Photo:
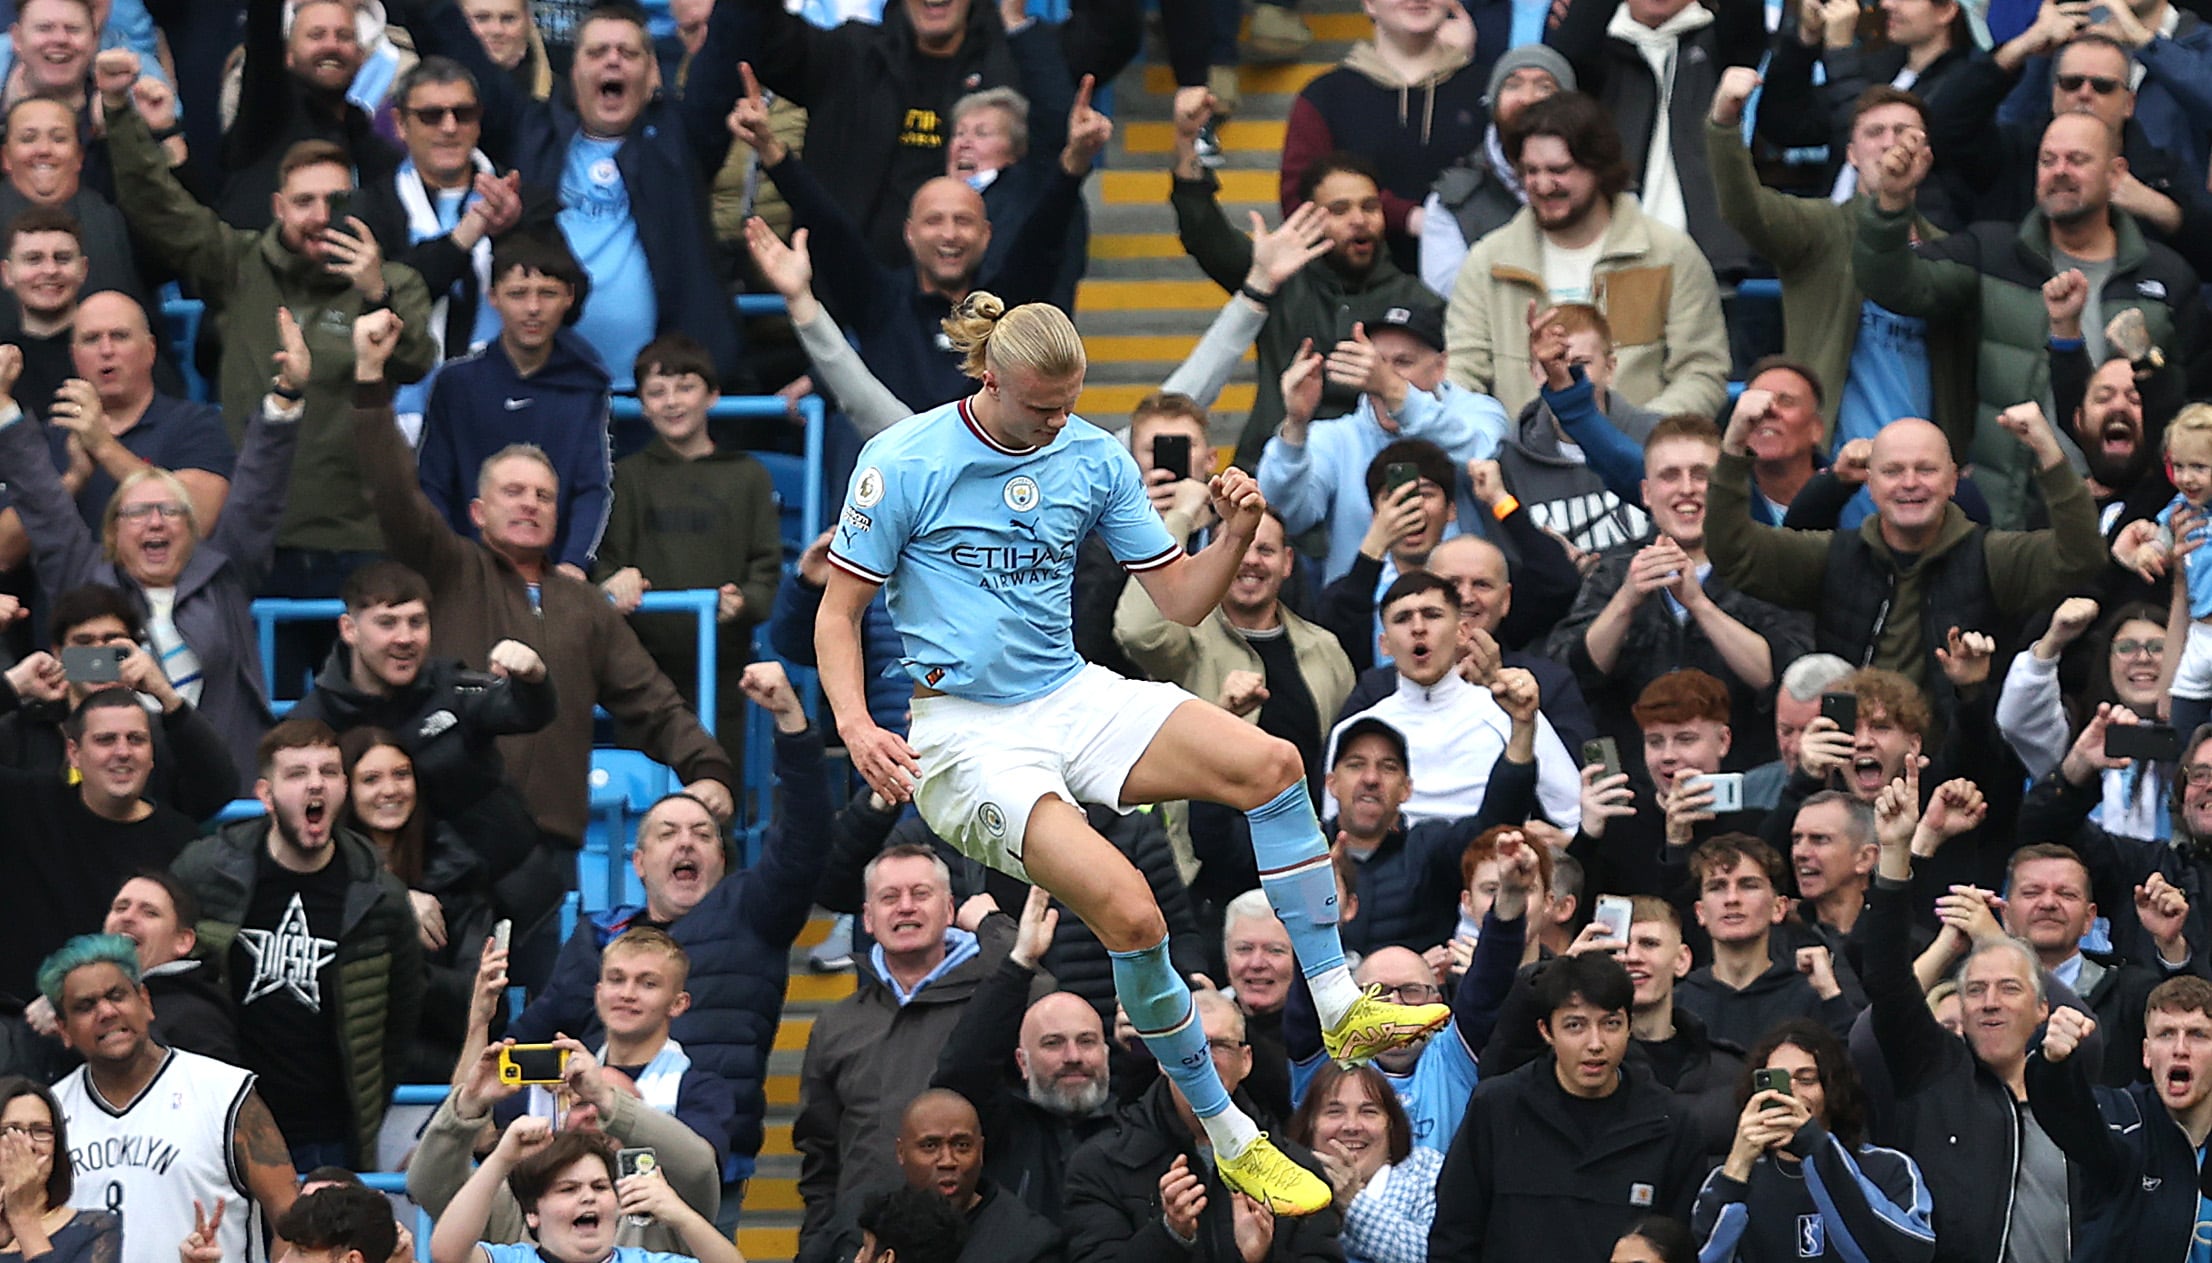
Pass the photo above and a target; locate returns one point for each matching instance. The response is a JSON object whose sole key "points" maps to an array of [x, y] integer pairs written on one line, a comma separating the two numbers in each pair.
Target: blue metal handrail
{"points": [[701, 603], [734, 407]]}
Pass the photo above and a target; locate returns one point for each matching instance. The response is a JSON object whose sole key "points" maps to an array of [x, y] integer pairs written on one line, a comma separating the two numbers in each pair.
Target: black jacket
{"points": [[2138, 1182], [2115, 989], [1701, 1072], [1952, 1113], [448, 721], [1522, 1181], [192, 772], [2057, 809], [1657, 643], [668, 160], [1795, 113], [194, 1011], [447, 270], [1617, 75], [1113, 1208], [858, 81], [1028, 1146], [276, 111]]}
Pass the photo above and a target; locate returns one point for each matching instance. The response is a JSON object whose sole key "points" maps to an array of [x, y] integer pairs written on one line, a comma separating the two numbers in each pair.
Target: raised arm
{"points": [[414, 531], [790, 268], [780, 887]]}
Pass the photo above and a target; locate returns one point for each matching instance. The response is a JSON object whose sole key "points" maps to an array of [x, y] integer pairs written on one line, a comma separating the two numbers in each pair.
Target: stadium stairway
{"points": [[1143, 304], [1141, 309]]}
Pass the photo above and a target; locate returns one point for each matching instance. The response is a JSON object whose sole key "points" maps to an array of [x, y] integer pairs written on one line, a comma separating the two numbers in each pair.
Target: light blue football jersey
{"points": [[976, 545]]}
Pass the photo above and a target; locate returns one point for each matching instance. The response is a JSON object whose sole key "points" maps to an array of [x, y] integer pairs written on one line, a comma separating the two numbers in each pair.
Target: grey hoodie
{"points": [[1561, 492]]}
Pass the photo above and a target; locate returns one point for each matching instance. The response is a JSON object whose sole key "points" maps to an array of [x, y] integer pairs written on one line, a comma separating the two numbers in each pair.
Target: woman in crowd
{"points": [[1385, 1187], [445, 882], [2042, 720], [35, 1214], [192, 582], [1800, 1165], [1655, 1239]]}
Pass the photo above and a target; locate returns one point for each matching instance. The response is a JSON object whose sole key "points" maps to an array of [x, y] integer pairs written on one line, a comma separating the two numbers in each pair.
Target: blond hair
{"points": [[111, 519], [2194, 421], [1035, 337]]}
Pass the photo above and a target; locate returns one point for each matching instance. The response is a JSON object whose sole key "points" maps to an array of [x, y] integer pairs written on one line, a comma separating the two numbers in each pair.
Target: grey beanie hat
{"points": [[1530, 57]]}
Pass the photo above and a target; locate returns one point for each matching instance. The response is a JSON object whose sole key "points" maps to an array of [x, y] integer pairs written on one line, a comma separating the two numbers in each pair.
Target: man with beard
{"points": [[2140, 1195], [1583, 239], [1992, 275], [1476, 195], [1354, 283], [1995, 1174], [319, 943], [1655, 605], [941, 1149], [292, 87], [1059, 1048]]}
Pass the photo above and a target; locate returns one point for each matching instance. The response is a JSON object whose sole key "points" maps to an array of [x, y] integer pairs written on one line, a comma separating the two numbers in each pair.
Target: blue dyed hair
{"points": [[83, 950]]}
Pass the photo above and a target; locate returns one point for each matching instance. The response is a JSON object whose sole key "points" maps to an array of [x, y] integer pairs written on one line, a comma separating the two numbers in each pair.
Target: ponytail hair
{"points": [[1035, 337]]}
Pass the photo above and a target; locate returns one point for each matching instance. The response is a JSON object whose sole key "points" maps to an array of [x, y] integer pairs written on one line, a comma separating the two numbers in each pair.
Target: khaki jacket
{"points": [[1655, 288]]}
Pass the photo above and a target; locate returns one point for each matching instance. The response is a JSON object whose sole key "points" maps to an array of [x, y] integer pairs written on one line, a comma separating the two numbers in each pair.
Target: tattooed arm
{"points": [[258, 1150]]}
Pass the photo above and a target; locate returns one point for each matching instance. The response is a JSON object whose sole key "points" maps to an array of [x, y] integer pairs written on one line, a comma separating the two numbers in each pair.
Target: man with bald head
{"points": [[893, 312], [113, 413], [941, 1148], [1897, 591], [1059, 1047], [1991, 277], [1478, 569]]}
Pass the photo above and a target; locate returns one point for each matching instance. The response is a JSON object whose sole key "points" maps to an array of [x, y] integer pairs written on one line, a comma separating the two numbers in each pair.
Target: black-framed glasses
{"points": [[2102, 85], [2147, 648], [2198, 776], [1224, 1047], [40, 1133], [436, 115], [1411, 992]]}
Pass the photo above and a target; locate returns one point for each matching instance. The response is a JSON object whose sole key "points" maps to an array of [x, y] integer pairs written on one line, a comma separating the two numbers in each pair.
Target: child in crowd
{"points": [[691, 514], [2188, 682]]}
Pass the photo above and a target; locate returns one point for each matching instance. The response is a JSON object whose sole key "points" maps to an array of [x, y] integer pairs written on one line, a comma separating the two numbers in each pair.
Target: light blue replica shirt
{"points": [[1434, 1092], [976, 542], [623, 313]]}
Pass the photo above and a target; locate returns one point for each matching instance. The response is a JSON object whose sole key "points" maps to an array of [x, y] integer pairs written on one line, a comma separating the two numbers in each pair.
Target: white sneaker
{"points": [[834, 954]]}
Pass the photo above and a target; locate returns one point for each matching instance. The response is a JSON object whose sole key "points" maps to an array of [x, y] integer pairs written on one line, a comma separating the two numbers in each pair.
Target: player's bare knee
{"points": [[1273, 768], [1130, 926]]}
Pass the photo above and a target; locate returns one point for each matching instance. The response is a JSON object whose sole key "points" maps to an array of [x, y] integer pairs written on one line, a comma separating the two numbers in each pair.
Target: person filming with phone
{"points": [[1800, 1180]]}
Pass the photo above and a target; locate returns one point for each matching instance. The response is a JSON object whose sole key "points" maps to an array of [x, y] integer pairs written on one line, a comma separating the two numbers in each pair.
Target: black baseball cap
{"points": [[1426, 324], [1369, 726]]}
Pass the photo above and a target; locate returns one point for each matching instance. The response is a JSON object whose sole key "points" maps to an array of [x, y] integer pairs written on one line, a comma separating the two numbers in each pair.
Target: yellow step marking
{"points": [[782, 1089], [1136, 245], [1107, 401], [1199, 295], [791, 1034], [1138, 348], [776, 1141], [773, 1195], [1251, 80], [1147, 188], [767, 1243], [815, 930], [1259, 135], [820, 988]]}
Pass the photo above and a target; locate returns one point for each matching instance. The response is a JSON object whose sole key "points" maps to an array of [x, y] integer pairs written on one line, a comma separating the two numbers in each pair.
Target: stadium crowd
{"points": [[1736, 476]]}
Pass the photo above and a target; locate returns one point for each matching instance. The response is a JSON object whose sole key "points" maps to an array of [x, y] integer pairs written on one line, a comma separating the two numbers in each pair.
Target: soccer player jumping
{"points": [[972, 514]]}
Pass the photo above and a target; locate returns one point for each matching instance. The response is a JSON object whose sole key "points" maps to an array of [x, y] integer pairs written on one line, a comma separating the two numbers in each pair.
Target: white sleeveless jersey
{"points": [[149, 1159]]}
